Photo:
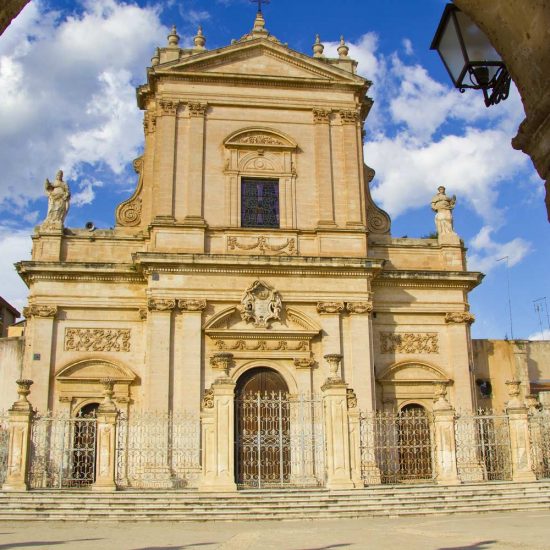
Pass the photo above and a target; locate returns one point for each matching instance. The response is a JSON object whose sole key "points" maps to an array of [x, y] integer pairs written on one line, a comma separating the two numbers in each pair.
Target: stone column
{"points": [[352, 167], [330, 313], [194, 181], [187, 375], [20, 419], [165, 143], [38, 357], [159, 359], [444, 436], [522, 464], [337, 428], [458, 333], [363, 377], [106, 441], [323, 168], [218, 434], [521, 352]]}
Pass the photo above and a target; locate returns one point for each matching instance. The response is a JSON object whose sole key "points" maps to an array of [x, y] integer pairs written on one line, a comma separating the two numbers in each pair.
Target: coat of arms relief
{"points": [[260, 304]]}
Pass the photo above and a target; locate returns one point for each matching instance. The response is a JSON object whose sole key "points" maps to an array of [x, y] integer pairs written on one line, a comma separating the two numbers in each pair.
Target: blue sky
{"points": [[68, 70]]}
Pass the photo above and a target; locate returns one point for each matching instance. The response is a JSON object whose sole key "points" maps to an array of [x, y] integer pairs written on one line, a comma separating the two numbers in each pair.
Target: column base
{"points": [[14, 487], [217, 487]]}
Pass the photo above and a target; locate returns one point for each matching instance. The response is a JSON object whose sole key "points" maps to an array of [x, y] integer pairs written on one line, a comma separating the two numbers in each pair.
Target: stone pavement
{"points": [[525, 530]]}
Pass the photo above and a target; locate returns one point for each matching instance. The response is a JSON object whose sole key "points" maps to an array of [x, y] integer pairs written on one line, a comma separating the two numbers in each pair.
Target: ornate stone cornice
{"points": [[192, 304], [460, 317], [359, 308], [326, 308], [40, 310], [159, 304], [197, 109], [321, 116]]}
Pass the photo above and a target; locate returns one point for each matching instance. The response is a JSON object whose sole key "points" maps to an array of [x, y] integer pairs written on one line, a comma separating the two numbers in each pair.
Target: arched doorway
{"points": [[83, 455], [262, 429], [414, 441]]}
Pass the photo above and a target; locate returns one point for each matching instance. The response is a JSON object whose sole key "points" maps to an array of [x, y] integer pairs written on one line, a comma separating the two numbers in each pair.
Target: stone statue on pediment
{"points": [[59, 196], [443, 207]]}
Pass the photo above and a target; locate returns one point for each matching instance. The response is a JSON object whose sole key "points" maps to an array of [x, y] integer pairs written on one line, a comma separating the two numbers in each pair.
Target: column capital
{"points": [[359, 308], [197, 108], [40, 310], [190, 304], [168, 107], [161, 304], [321, 116], [457, 317], [349, 116], [328, 308]]}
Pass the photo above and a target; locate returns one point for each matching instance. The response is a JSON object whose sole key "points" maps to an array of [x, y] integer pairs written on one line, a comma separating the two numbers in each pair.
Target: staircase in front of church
{"points": [[293, 504]]}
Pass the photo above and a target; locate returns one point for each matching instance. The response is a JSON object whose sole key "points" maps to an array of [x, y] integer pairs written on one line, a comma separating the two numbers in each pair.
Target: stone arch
{"points": [[429, 371], [259, 137], [285, 373]]}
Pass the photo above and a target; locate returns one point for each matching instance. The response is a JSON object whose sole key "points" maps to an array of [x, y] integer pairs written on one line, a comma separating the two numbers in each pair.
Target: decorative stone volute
{"points": [[460, 317], [333, 360], [330, 307], [351, 399], [208, 399], [159, 304], [318, 47], [359, 308], [192, 304]]}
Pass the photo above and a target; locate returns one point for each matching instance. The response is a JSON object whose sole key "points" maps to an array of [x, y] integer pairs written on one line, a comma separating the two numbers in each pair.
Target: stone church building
{"points": [[250, 287]]}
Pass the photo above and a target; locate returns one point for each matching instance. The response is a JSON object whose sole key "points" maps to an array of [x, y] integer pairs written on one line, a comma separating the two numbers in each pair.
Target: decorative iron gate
{"points": [[63, 451], [158, 450], [4, 440], [539, 433], [483, 451], [397, 447], [279, 440]]}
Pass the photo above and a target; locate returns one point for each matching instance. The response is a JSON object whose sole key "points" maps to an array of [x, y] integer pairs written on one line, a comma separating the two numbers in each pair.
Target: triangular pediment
{"points": [[261, 58]]}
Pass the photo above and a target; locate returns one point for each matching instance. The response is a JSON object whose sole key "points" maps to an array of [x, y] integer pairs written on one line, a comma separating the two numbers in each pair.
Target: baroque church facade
{"points": [[251, 260]]}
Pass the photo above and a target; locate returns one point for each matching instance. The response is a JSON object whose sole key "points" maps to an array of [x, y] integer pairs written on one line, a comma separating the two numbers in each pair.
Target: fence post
{"points": [[337, 428], [218, 432], [445, 442], [106, 441], [518, 415], [20, 421], [354, 438]]}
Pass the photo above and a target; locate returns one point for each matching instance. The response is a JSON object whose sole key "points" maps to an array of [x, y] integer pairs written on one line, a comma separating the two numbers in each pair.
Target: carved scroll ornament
{"points": [[208, 399], [262, 244], [97, 339], [128, 213], [409, 342], [359, 308], [192, 305], [157, 304], [330, 307], [260, 304]]}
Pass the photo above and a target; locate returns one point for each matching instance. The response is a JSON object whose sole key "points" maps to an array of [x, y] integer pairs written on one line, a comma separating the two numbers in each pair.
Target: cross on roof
{"points": [[260, 2]]}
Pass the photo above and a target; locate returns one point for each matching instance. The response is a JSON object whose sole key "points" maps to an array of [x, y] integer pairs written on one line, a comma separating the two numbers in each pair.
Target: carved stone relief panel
{"points": [[330, 307], [260, 304], [460, 317], [97, 339], [409, 342], [263, 245]]}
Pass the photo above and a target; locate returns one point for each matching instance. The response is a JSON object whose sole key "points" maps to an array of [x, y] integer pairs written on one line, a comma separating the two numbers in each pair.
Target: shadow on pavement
{"points": [[482, 545], [327, 547], [40, 543], [178, 547]]}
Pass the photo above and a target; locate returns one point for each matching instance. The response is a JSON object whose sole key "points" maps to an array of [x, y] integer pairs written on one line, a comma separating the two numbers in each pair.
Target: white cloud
{"points": [[15, 246], [68, 92], [407, 46], [544, 335], [486, 252], [86, 194]]}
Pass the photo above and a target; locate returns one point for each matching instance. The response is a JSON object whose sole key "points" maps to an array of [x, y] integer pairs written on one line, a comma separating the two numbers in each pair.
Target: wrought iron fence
{"points": [[158, 450], [483, 451], [539, 433], [397, 447], [279, 440], [4, 440], [63, 451]]}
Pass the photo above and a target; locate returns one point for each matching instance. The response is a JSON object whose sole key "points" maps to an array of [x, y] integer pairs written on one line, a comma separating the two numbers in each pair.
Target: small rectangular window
{"points": [[259, 203]]}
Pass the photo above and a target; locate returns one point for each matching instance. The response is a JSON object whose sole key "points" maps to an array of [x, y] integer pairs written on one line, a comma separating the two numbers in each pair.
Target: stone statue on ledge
{"points": [[443, 206], [58, 202]]}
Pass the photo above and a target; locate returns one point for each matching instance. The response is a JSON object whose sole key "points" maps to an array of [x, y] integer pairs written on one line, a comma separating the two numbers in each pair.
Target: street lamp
{"points": [[469, 57]]}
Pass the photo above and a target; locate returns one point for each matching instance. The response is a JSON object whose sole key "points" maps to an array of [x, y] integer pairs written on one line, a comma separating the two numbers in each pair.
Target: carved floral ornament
{"points": [[349, 117], [263, 245], [460, 317], [97, 339], [39, 310], [354, 308], [321, 116], [409, 342], [260, 304], [168, 304]]}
